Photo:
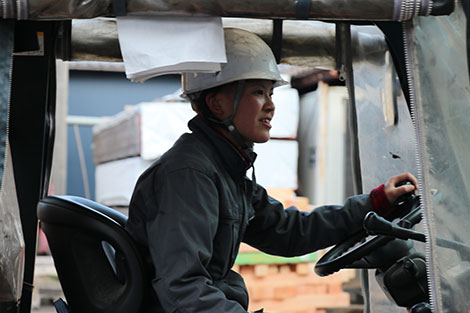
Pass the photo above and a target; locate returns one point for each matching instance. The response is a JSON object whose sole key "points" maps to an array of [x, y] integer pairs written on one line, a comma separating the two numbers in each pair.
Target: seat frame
{"points": [[80, 233]]}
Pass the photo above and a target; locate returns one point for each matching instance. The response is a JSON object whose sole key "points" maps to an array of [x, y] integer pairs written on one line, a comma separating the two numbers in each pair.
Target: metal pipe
{"points": [[304, 43], [273, 9]]}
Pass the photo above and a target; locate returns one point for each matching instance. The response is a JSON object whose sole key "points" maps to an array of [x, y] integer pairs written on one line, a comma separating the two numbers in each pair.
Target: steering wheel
{"points": [[347, 255]]}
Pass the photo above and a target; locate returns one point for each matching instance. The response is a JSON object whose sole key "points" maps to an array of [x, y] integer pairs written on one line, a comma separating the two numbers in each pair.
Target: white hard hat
{"points": [[248, 57]]}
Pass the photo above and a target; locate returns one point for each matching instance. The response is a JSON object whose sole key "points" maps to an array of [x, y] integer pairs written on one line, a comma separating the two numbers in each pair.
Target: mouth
{"points": [[266, 122]]}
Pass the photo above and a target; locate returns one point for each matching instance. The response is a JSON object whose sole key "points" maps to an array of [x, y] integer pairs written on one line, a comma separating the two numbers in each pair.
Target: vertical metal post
{"points": [[344, 65], [31, 134]]}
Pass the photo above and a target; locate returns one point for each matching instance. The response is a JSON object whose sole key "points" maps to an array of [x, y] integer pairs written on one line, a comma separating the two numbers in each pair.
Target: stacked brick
{"points": [[293, 287]]}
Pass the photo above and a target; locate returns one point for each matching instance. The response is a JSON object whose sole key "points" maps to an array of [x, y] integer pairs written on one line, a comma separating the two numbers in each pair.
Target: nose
{"points": [[269, 105]]}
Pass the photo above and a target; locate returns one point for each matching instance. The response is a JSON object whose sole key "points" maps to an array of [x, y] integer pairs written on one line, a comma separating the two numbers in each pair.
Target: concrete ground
{"points": [[44, 309], [46, 286]]}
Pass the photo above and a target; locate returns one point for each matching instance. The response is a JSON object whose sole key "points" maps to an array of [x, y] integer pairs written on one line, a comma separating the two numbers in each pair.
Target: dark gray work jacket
{"points": [[191, 209]]}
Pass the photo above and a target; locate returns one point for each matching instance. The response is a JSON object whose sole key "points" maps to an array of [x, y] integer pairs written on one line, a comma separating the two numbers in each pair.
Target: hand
{"points": [[392, 192]]}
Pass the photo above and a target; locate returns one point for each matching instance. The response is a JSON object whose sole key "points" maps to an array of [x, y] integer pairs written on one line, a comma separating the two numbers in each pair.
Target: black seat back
{"points": [[98, 264]]}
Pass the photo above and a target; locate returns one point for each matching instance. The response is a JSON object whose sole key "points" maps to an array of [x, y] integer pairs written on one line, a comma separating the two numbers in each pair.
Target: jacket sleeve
{"points": [[180, 243], [290, 232]]}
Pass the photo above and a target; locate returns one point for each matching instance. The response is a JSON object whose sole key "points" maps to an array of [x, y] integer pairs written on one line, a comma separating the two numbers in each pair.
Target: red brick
{"points": [[303, 269], [312, 289], [284, 269], [285, 292], [335, 288], [244, 248], [303, 302], [261, 270], [260, 293], [247, 270], [273, 269]]}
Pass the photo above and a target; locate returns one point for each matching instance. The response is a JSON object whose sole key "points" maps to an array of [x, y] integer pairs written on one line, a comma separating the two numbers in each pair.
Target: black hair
{"points": [[199, 105]]}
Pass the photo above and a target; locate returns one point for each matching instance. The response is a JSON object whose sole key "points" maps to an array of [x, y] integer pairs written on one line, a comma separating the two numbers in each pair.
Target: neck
{"points": [[230, 137], [244, 152]]}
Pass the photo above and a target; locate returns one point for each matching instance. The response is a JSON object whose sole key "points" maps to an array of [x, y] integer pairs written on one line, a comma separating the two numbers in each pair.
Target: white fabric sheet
{"points": [[153, 46]]}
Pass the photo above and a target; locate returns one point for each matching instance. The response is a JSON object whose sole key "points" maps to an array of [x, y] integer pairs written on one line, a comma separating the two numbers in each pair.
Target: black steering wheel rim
{"points": [[342, 256]]}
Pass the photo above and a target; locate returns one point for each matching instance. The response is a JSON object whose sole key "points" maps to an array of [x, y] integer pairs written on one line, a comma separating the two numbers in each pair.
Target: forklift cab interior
{"points": [[104, 271], [408, 69]]}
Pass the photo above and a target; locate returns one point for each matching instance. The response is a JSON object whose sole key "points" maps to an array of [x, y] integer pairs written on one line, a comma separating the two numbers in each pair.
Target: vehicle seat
{"points": [[99, 265]]}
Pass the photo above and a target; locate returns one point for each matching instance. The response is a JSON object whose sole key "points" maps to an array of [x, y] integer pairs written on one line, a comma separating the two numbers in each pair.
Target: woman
{"points": [[191, 209]]}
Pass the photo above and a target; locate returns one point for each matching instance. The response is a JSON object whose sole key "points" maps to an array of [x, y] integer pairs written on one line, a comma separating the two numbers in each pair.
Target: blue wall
{"points": [[93, 93]]}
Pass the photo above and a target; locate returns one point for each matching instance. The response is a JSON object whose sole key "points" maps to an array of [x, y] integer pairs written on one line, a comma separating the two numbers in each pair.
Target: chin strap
{"points": [[228, 122]]}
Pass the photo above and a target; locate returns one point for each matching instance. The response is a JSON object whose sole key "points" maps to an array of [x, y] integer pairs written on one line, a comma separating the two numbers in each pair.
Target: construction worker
{"points": [[195, 205]]}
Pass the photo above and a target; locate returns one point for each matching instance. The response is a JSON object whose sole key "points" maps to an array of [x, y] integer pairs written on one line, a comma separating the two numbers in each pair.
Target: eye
{"points": [[259, 92]]}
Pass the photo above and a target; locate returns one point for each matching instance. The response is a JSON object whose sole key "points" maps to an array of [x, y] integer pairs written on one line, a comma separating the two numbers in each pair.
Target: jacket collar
{"points": [[237, 161]]}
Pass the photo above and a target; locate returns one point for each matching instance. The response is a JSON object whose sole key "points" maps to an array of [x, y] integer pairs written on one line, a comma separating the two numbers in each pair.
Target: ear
{"points": [[214, 104]]}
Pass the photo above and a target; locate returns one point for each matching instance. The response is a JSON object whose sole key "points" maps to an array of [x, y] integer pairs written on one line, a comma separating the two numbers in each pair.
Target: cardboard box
{"points": [[285, 123], [146, 130], [276, 164], [150, 128], [115, 180]]}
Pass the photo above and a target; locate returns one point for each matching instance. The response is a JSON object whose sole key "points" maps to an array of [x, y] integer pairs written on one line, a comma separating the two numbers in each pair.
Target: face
{"points": [[255, 109]]}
